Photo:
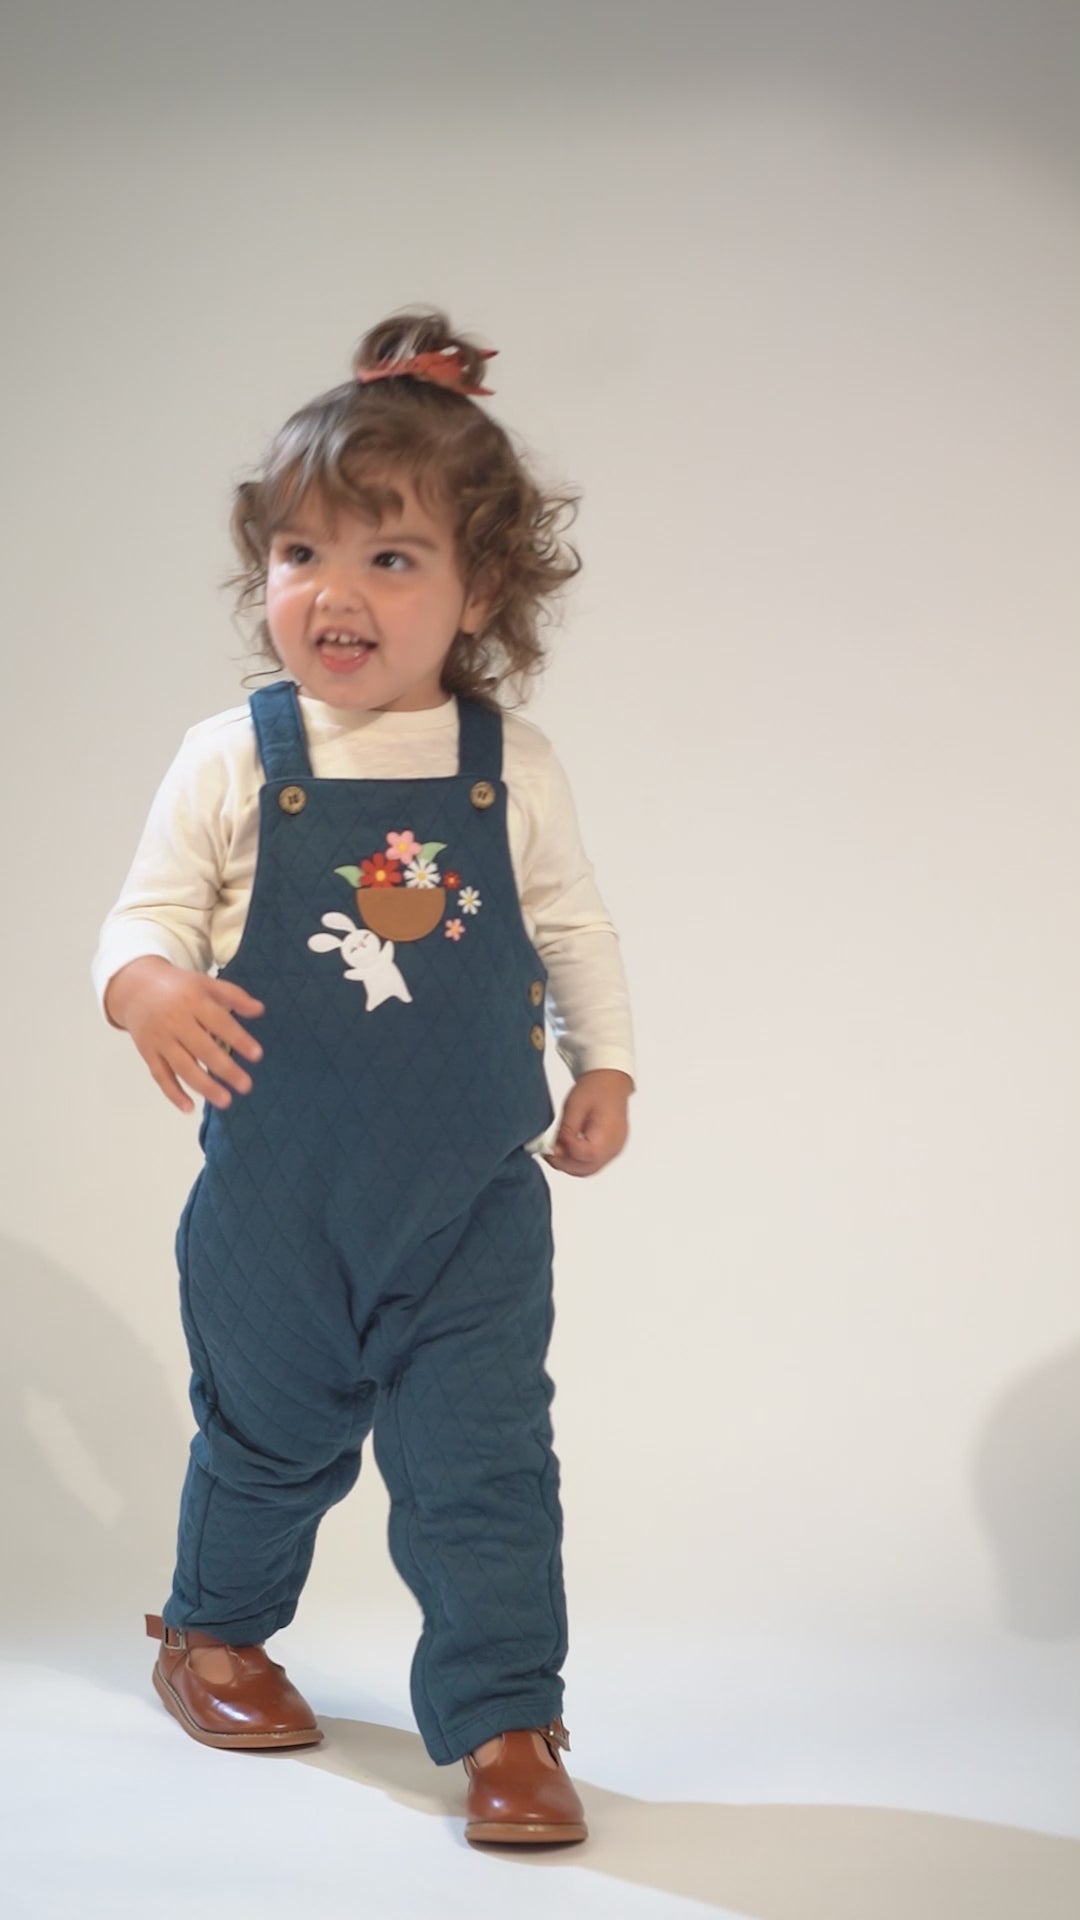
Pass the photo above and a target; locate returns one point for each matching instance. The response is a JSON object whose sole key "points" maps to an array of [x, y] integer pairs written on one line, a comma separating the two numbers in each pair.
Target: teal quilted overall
{"points": [[367, 1247]]}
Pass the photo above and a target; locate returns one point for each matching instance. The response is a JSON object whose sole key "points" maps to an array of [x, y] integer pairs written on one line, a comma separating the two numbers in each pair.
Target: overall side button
{"points": [[292, 799], [482, 794], [537, 1038], [536, 993]]}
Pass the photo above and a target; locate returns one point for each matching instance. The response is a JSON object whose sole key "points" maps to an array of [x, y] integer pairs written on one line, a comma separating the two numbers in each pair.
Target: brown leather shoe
{"points": [[523, 1793], [234, 1697]]}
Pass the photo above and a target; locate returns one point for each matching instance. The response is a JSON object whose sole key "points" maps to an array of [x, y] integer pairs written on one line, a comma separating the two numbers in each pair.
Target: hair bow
{"points": [[445, 368]]}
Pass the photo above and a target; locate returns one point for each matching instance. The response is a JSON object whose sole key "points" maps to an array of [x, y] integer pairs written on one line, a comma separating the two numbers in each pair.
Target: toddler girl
{"points": [[352, 902]]}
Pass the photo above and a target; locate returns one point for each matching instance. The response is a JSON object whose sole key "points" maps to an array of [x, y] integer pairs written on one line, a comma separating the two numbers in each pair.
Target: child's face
{"points": [[395, 589]]}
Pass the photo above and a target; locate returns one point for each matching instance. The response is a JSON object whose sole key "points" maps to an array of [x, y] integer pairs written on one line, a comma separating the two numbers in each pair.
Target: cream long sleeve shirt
{"points": [[187, 892]]}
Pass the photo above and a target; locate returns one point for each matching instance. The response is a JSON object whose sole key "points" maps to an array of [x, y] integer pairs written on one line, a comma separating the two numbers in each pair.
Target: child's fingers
{"points": [[194, 1075], [231, 995], [211, 1048], [170, 1085], [237, 1037], [196, 1057], [221, 1023], [580, 1146], [573, 1152], [563, 1163], [217, 1060], [582, 1137], [588, 1138]]}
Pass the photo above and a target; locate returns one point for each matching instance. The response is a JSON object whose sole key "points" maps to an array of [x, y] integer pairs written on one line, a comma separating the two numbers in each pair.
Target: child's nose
{"points": [[339, 596]]}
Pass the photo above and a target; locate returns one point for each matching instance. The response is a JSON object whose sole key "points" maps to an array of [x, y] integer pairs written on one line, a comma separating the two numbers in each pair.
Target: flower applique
{"points": [[403, 847], [378, 872], [400, 896]]}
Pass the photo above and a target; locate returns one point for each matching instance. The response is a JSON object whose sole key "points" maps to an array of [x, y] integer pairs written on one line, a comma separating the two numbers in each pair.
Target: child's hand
{"points": [[594, 1123], [182, 1024]]}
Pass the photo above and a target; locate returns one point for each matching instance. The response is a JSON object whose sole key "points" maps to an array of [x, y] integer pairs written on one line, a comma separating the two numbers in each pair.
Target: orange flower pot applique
{"points": [[400, 896]]}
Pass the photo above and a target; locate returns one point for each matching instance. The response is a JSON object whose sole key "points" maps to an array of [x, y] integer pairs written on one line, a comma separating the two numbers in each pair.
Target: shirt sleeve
{"points": [[167, 900], [588, 1001]]}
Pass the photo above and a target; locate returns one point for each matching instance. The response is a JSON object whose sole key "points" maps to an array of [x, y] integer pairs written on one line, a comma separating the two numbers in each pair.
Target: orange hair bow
{"points": [[444, 369]]}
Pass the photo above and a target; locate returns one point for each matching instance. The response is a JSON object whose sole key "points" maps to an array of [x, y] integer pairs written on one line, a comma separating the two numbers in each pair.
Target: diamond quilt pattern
{"points": [[368, 1247]]}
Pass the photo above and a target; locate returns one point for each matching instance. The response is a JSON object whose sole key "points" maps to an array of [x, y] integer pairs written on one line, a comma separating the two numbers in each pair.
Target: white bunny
{"points": [[365, 957]]}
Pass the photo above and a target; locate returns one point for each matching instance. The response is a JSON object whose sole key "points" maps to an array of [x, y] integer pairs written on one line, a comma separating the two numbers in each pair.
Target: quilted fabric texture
{"points": [[368, 1245]]}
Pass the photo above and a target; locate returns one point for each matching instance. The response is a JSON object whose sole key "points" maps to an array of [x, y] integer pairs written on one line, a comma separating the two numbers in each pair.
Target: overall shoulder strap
{"points": [[279, 730], [480, 744]]}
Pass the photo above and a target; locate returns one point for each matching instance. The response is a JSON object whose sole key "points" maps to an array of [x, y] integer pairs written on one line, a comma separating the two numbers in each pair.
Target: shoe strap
{"points": [[555, 1733], [179, 1639]]}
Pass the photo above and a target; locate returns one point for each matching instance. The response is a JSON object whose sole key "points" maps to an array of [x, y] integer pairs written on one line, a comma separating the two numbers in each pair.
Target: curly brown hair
{"points": [[348, 446]]}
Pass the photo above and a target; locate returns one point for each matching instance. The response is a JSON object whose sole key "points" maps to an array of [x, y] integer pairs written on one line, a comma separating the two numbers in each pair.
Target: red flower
{"points": [[380, 871], [451, 880]]}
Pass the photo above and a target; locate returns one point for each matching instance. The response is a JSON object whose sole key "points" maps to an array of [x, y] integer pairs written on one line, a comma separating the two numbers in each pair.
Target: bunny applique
{"points": [[366, 958]]}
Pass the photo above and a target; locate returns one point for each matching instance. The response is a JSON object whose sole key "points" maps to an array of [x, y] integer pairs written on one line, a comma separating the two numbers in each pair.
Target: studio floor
{"points": [[743, 1778]]}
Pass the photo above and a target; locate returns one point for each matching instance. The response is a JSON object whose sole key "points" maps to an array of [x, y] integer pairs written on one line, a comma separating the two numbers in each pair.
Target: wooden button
{"points": [[482, 794], [292, 799], [537, 1038], [536, 993]]}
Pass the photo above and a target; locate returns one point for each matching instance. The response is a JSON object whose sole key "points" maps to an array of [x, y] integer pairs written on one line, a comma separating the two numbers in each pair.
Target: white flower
{"points": [[469, 900], [421, 873]]}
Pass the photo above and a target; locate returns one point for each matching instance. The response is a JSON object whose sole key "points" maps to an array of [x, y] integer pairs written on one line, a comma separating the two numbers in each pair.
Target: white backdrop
{"points": [[791, 292]]}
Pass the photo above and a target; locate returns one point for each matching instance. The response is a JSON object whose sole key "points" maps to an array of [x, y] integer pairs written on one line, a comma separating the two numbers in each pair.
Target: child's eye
{"points": [[297, 555], [391, 553]]}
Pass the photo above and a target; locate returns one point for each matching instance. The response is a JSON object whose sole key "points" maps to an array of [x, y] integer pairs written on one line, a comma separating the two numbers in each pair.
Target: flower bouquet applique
{"points": [[401, 896]]}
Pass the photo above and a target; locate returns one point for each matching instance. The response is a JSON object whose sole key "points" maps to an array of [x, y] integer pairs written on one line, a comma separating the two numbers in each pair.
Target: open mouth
{"points": [[341, 651]]}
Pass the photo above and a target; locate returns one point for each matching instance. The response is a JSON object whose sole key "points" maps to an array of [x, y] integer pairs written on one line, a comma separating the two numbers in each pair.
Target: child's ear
{"points": [[480, 603]]}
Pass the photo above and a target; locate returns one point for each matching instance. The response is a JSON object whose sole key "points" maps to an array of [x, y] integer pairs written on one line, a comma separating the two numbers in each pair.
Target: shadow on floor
{"points": [[767, 1862]]}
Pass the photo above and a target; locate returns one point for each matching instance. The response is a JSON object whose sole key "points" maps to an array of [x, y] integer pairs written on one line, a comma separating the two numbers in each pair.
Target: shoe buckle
{"points": [[177, 1645], [557, 1734]]}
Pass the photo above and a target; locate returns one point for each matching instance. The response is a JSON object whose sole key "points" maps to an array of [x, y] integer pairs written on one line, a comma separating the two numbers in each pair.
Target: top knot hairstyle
{"points": [[348, 446]]}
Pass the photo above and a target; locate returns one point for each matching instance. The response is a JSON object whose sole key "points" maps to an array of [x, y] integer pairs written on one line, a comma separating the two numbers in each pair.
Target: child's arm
{"points": [[155, 948], [589, 1004]]}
